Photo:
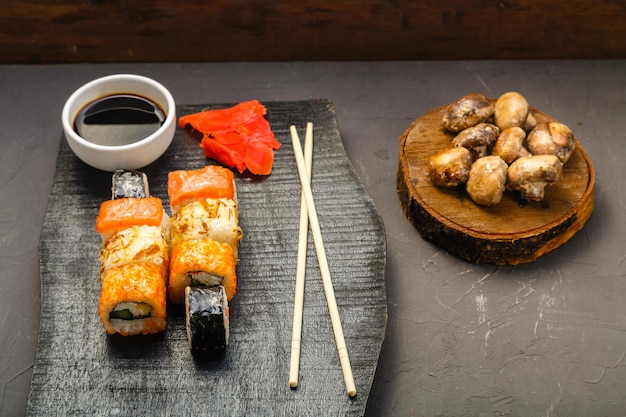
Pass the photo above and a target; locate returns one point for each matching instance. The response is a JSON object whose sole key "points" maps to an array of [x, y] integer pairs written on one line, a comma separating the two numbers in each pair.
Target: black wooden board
{"points": [[81, 371]]}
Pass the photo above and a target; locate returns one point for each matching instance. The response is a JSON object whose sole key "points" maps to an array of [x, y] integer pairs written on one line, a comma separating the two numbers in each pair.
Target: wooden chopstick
{"points": [[323, 264], [301, 265]]}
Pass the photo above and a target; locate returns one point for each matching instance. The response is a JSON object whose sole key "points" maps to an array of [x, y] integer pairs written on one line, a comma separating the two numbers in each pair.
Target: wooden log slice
{"points": [[509, 233]]}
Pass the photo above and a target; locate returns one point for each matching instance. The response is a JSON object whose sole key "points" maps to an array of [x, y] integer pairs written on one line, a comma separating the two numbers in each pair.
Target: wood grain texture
{"points": [[79, 370], [510, 232], [99, 31]]}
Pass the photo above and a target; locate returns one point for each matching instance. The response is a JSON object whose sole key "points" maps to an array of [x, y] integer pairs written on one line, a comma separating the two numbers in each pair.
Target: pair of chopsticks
{"points": [[308, 214]]}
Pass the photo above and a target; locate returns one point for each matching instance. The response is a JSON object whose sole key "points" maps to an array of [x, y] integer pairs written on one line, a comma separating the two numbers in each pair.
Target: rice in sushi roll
{"points": [[213, 218], [201, 262], [207, 321], [133, 299]]}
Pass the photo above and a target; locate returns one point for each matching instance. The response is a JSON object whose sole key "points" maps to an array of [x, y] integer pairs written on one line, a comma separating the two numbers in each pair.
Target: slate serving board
{"points": [[79, 370]]}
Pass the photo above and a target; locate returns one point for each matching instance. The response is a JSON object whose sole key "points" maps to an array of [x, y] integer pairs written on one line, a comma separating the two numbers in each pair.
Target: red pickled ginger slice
{"points": [[239, 137], [224, 119], [259, 158], [229, 152]]}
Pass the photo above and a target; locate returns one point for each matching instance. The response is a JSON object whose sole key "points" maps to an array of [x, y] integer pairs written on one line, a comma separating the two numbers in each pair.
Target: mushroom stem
{"points": [[531, 174]]}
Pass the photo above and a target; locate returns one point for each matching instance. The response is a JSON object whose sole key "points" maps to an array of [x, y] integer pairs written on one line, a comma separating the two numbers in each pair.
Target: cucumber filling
{"points": [[131, 311], [204, 279]]}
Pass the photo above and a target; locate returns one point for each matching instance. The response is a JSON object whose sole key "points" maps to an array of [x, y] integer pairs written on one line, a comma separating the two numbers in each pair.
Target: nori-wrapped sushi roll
{"points": [[207, 321], [129, 184]]}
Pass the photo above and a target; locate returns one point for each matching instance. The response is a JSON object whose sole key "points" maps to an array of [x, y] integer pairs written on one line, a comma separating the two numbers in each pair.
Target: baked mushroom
{"points": [[511, 110], [552, 138], [450, 167], [477, 138], [467, 111], [530, 122], [531, 174], [510, 144], [487, 180]]}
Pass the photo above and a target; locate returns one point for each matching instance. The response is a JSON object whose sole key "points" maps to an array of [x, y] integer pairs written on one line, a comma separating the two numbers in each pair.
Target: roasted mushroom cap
{"points": [[511, 110], [510, 144], [477, 138], [531, 174], [530, 122], [552, 139], [487, 180], [451, 167], [467, 111]]}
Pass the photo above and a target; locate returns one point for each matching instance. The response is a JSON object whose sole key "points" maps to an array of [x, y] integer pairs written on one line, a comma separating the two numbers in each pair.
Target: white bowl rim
{"points": [[68, 124]]}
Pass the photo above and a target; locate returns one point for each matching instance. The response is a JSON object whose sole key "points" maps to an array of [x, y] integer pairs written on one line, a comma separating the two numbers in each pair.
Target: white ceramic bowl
{"points": [[131, 156]]}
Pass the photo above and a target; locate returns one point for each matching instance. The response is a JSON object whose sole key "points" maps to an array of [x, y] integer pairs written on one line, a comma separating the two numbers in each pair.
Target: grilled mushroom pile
{"points": [[499, 145]]}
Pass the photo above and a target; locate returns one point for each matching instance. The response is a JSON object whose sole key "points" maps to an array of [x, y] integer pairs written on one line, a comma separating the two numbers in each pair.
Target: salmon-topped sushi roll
{"points": [[135, 244], [213, 218], [133, 299], [212, 181], [201, 262], [119, 214]]}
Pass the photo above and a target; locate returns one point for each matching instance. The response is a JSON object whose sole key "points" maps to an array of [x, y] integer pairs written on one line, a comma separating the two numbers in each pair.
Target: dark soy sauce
{"points": [[119, 119]]}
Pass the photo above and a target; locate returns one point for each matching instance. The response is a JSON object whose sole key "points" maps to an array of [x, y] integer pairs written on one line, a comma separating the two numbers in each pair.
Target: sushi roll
{"points": [[134, 257], [204, 236], [207, 321], [119, 214], [129, 184], [201, 262], [135, 244], [213, 218], [212, 181], [133, 299]]}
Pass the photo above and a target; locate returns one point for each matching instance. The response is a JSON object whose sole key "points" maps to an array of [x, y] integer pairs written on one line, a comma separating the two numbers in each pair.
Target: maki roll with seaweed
{"points": [[129, 184], [207, 321]]}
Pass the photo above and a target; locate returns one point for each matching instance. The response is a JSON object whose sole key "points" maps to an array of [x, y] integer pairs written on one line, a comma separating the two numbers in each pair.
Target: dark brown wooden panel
{"points": [[40, 31]]}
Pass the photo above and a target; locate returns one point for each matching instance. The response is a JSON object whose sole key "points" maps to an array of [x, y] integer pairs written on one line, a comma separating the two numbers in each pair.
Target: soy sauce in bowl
{"points": [[119, 119], [154, 109]]}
